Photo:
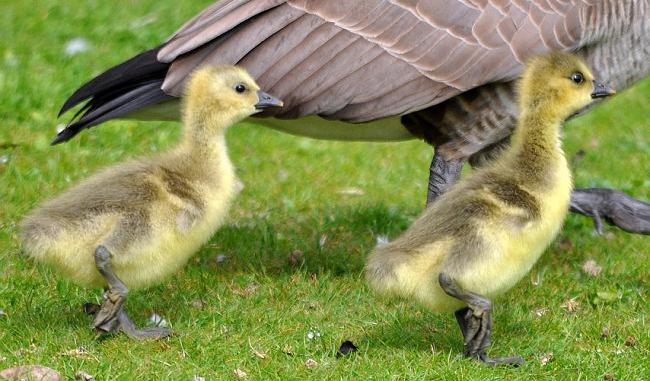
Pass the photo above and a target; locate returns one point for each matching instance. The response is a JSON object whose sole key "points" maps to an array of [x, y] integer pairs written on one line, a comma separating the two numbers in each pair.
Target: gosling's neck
{"points": [[536, 150], [203, 142]]}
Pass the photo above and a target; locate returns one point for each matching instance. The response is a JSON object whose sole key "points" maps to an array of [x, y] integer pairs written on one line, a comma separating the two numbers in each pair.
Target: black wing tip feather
{"points": [[124, 88], [68, 133], [142, 66]]}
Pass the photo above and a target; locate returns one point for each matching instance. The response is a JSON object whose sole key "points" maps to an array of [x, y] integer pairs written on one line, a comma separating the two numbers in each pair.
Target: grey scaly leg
{"points": [[111, 317], [475, 323], [442, 175]]}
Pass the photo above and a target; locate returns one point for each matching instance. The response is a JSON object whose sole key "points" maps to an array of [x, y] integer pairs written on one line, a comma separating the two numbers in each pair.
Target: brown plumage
{"points": [[364, 60], [134, 223]]}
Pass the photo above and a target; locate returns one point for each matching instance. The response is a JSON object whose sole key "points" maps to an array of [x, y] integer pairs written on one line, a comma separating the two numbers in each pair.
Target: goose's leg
{"points": [[475, 323], [111, 317], [443, 174], [614, 207]]}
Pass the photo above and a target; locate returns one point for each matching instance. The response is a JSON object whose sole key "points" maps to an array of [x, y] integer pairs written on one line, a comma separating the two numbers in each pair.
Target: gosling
{"points": [[135, 223], [482, 236]]}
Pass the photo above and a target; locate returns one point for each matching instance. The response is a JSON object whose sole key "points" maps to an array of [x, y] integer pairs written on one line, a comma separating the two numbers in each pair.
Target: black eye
{"points": [[240, 88], [577, 78]]}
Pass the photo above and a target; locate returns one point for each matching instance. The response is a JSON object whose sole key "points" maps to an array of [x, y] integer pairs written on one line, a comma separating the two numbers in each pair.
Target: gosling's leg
{"points": [[443, 174], [475, 323], [111, 317], [614, 207]]}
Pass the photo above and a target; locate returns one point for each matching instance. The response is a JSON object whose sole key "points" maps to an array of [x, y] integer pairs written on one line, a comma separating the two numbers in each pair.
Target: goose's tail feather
{"points": [[124, 88]]}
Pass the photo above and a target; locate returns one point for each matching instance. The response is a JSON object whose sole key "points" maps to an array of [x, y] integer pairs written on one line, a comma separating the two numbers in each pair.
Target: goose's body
{"points": [[385, 70], [135, 223], [483, 235]]}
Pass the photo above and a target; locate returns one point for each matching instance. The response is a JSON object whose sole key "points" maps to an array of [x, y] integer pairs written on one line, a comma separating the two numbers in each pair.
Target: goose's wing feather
{"points": [[366, 59]]}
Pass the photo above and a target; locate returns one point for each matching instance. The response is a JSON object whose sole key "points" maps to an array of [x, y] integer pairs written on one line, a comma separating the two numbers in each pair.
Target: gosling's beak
{"points": [[265, 101], [601, 91]]}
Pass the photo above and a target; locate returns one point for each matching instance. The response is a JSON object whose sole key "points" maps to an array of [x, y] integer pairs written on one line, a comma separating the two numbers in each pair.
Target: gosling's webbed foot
{"points": [[476, 327], [614, 207], [475, 323], [111, 317], [127, 326]]}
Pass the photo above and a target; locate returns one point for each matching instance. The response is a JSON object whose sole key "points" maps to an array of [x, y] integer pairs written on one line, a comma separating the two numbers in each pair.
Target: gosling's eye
{"points": [[240, 88], [578, 78]]}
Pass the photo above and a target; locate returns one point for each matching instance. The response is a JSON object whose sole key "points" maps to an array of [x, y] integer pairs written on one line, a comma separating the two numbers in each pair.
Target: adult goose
{"points": [[379, 70]]}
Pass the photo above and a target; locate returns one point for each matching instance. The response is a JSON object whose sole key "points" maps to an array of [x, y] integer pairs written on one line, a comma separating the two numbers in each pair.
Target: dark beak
{"points": [[265, 101], [601, 91]]}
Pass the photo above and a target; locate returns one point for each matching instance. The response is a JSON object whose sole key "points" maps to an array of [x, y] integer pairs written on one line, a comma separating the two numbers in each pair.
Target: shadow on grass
{"points": [[328, 241]]}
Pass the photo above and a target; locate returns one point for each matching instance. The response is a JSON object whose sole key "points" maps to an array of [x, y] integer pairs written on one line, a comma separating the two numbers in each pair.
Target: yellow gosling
{"points": [[133, 224], [482, 236]]}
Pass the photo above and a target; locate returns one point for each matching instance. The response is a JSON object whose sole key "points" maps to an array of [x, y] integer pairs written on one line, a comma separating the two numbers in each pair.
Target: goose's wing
{"points": [[366, 59], [353, 61]]}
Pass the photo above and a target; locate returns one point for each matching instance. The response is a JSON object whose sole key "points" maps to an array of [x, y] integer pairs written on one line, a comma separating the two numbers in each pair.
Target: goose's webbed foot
{"points": [[475, 323], [111, 317], [614, 207], [443, 174]]}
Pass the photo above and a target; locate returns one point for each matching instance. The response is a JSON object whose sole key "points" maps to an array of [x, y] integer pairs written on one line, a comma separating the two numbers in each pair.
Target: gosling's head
{"points": [[218, 96], [560, 84]]}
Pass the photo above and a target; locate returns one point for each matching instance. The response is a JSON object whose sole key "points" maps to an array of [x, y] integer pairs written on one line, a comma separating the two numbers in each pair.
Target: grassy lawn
{"points": [[241, 303]]}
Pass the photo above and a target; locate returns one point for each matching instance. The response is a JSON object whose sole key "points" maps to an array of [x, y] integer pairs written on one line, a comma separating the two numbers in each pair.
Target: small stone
{"points": [[158, 320], [30, 372], [630, 341], [546, 358], [295, 258], [311, 335], [75, 46], [311, 363], [198, 304], [83, 376], [198, 378], [240, 373], [346, 347], [591, 268], [604, 333], [220, 258]]}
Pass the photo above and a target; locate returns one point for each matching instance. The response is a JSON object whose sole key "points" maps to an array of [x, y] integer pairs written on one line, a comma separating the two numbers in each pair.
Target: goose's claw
{"points": [[615, 207]]}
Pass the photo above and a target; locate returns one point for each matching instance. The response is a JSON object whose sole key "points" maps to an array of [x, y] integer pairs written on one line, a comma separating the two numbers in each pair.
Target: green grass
{"points": [[292, 201]]}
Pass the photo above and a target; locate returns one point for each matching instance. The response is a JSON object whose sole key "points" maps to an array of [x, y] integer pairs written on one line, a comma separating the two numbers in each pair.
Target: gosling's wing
{"points": [[352, 60]]}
